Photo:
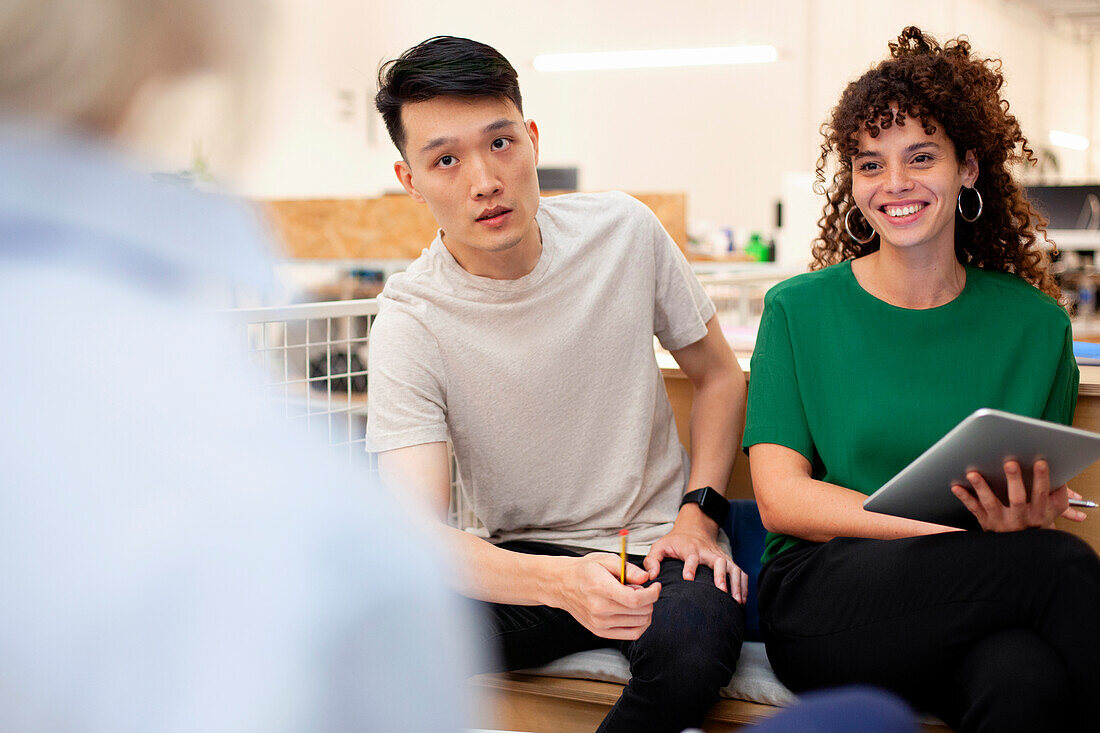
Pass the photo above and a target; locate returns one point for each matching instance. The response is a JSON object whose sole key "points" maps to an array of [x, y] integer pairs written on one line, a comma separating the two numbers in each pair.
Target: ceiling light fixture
{"points": [[1068, 140], [670, 57]]}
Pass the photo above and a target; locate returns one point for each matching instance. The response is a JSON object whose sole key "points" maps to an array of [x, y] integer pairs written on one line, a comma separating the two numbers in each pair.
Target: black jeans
{"points": [[991, 632], [678, 666]]}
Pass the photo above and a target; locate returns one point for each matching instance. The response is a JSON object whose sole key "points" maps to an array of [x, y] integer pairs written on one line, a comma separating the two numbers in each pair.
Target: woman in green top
{"points": [[929, 299]]}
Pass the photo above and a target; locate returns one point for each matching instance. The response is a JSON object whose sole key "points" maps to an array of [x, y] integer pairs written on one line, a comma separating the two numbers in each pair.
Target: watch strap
{"points": [[713, 504]]}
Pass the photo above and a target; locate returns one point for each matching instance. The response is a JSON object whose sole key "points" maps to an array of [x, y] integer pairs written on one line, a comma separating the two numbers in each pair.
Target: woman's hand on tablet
{"points": [[1041, 510]]}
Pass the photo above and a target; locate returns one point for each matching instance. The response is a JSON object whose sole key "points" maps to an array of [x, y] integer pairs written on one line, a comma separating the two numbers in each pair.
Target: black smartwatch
{"points": [[713, 504]]}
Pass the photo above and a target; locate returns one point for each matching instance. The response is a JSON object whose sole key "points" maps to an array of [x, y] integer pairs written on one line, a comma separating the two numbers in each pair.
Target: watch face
{"points": [[714, 505]]}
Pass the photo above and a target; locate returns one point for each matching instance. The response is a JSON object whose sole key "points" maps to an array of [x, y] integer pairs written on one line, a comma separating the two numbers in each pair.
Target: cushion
{"points": [[753, 679]]}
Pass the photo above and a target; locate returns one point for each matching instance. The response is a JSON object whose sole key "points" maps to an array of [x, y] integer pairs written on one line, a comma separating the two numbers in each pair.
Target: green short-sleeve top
{"points": [[861, 387]]}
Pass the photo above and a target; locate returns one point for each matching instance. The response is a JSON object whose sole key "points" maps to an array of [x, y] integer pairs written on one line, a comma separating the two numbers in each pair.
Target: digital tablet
{"points": [[982, 442]]}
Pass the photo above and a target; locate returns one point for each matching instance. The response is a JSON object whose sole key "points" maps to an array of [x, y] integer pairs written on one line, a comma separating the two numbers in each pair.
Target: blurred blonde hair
{"points": [[81, 63]]}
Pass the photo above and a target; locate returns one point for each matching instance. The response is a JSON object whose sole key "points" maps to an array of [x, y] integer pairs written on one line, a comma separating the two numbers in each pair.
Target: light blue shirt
{"points": [[172, 556]]}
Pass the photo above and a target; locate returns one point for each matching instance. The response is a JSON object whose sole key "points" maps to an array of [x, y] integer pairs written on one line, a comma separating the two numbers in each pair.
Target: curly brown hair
{"points": [[942, 85]]}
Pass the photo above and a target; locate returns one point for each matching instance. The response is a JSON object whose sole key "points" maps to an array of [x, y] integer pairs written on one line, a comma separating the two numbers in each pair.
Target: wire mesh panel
{"points": [[738, 298], [312, 359]]}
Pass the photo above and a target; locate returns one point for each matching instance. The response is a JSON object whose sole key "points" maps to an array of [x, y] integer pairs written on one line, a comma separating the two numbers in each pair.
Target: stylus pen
{"points": [[1084, 503]]}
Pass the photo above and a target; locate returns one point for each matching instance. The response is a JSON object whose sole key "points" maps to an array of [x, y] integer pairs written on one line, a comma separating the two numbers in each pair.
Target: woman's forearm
{"points": [[793, 503], [818, 511]]}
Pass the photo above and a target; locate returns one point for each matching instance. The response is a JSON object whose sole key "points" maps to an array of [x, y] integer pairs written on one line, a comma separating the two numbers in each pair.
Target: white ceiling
{"points": [[1081, 16]]}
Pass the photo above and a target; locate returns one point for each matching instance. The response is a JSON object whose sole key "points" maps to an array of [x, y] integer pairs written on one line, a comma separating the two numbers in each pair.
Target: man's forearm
{"points": [[717, 422], [488, 573], [482, 571]]}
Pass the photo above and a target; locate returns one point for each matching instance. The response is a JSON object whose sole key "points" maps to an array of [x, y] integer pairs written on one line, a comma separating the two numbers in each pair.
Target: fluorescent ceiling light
{"points": [[656, 59], [1068, 140]]}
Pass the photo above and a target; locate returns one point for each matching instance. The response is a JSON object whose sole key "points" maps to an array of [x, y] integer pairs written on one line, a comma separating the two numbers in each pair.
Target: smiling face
{"points": [[473, 162], [906, 183]]}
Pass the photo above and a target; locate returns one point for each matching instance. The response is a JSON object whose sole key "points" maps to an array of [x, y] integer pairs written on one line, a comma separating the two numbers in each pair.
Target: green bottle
{"points": [[756, 248]]}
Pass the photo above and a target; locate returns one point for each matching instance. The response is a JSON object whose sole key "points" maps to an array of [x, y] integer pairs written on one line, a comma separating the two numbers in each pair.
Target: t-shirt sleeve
{"points": [[776, 413], [407, 402], [1062, 401], [681, 308]]}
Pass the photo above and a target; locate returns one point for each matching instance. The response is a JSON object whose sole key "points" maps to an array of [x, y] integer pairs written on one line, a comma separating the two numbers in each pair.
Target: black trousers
{"points": [[678, 666], [989, 631]]}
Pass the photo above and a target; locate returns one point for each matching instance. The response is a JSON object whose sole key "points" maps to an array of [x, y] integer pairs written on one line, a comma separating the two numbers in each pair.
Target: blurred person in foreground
{"points": [[172, 557]]}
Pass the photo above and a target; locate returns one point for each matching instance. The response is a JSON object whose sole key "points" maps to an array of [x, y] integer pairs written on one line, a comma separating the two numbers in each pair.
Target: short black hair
{"points": [[442, 66]]}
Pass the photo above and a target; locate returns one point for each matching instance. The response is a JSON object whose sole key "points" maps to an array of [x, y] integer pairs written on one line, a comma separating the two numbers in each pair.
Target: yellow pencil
{"points": [[622, 556]]}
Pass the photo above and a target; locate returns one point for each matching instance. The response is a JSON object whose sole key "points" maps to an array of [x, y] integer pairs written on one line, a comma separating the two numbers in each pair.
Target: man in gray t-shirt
{"points": [[525, 335]]}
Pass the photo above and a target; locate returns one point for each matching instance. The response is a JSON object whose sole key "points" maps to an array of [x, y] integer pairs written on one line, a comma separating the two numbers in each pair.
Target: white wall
{"points": [[726, 135]]}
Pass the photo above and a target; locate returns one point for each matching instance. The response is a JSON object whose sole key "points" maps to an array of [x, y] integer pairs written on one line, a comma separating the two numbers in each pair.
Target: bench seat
{"points": [[574, 693]]}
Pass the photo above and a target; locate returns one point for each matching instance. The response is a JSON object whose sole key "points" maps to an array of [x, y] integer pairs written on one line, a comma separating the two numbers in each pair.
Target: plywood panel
{"points": [[395, 226], [1088, 483], [388, 227], [680, 394], [671, 209]]}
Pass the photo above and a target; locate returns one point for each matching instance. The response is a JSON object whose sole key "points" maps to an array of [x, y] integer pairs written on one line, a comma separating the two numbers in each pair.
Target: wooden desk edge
{"points": [[1089, 387]]}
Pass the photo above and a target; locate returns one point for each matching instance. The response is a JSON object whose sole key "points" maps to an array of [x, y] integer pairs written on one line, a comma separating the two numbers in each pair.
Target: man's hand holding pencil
{"points": [[589, 589]]}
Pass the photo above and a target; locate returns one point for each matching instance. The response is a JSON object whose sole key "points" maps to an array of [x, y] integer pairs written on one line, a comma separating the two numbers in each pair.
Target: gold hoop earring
{"points": [[979, 195], [848, 227]]}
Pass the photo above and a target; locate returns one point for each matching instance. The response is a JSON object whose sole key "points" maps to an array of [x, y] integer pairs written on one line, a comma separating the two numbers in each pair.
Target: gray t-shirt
{"points": [[547, 385]]}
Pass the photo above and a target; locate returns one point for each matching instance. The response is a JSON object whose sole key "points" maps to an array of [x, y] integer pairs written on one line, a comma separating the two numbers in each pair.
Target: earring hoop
{"points": [[848, 227], [980, 203]]}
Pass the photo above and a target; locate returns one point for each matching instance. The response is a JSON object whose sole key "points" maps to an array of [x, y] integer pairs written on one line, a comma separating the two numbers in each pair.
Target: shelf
{"points": [[1072, 239]]}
